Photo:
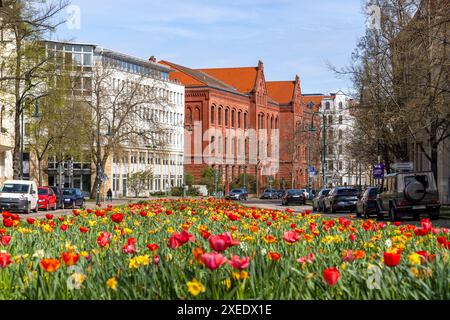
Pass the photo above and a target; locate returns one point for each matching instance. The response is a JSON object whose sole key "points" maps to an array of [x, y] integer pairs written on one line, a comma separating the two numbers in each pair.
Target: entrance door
{"points": [[124, 187]]}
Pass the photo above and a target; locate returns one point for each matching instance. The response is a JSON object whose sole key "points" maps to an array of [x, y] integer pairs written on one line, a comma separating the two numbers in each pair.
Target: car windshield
{"points": [[42, 192], [69, 192], [15, 188], [347, 192], [236, 191], [295, 192]]}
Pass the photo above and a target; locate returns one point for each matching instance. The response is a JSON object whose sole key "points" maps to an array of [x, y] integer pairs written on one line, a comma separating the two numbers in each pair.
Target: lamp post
{"points": [[22, 127]]}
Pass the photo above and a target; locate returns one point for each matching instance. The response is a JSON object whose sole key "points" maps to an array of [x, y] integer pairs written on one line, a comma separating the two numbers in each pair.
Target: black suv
{"points": [[409, 193]]}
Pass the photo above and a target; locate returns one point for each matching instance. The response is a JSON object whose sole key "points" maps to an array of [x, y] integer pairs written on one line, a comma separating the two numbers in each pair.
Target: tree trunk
{"points": [[17, 114]]}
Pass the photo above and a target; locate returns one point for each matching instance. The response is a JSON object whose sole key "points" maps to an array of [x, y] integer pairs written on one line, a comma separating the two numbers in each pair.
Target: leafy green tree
{"points": [[138, 181]]}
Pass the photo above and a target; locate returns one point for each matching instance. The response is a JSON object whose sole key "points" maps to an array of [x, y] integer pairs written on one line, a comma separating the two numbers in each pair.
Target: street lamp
{"points": [[22, 131]]}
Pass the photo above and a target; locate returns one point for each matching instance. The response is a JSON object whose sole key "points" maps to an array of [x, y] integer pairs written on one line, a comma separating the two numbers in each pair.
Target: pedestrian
{"points": [[109, 195]]}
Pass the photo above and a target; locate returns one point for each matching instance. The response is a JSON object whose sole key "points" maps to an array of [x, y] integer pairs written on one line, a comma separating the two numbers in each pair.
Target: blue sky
{"points": [[290, 36]]}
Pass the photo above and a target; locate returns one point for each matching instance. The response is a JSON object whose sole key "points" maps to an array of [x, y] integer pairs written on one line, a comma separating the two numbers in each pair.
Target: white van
{"points": [[19, 196]]}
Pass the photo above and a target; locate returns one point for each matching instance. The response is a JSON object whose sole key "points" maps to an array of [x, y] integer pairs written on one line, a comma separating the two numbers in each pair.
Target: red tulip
{"points": [[76, 212], [426, 256], [5, 259], [177, 239], [152, 247], [222, 242], [8, 222], [103, 239], [426, 224], [397, 223], [240, 263], [31, 220], [331, 276], [392, 259], [15, 217], [61, 219], [100, 213], [4, 240], [84, 229], [206, 235], [352, 237], [2, 231], [49, 216], [129, 248], [156, 259], [143, 214], [291, 236], [420, 232], [70, 258], [64, 227], [50, 265], [274, 256], [213, 260], [6, 215], [117, 217], [168, 212]]}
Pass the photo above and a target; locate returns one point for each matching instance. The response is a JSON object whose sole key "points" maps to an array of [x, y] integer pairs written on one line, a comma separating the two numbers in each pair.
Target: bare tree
{"points": [[126, 111], [25, 68], [400, 76]]}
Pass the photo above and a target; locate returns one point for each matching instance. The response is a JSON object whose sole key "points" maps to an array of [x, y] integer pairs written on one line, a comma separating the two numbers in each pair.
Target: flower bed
{"points": [[211, 249]]}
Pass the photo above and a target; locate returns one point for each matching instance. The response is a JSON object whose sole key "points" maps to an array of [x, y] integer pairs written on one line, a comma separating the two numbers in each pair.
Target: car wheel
{"points": [[365, 213], [392, 213], [380, 216], [434, 214], [54, 207]]}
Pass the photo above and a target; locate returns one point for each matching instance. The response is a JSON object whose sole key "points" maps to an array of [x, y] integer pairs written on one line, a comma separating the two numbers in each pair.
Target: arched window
{"points": [[330, 120], [245, 120], [189, 116], [340, 119], [219, 117], [226, 117], [212, 115], [276, 123], [340, 134], [327, 105], [239, 120], [271, 123], [340, 105], [232, 118]]}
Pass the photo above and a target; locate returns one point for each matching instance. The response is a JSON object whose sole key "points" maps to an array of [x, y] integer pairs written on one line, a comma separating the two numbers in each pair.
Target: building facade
{"points": [[340, 167], [161, 156], [237, 122]]}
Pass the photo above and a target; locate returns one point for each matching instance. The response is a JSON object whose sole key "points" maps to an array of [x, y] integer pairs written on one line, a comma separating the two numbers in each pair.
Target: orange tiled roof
{"points": [[281, 91], [194, 78], [243, 79]]}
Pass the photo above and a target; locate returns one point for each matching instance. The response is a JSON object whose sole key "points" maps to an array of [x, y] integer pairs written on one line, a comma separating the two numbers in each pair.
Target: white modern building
{"points": [[341, 169], [162, 155]]}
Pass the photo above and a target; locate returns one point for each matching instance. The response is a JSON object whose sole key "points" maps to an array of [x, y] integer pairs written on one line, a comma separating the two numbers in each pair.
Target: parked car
{"points": [[269, 194], [293, 196], [409, 193], [280, 193], [341, 199], [19, 196], [367, 202], [237, 194], [47, 199], [72, 198], [58, 193], [305, 193], [318, 199]]}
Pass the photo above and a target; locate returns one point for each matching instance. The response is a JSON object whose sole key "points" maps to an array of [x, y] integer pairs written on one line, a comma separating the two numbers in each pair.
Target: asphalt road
{"points": [[276, 205]]}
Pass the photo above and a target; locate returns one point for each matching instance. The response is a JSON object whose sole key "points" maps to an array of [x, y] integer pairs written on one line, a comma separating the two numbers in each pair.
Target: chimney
{"points": [[152, 59]]}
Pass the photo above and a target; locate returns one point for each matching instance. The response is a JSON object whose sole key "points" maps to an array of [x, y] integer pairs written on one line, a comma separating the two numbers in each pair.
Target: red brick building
{"points": [[229, 110]]}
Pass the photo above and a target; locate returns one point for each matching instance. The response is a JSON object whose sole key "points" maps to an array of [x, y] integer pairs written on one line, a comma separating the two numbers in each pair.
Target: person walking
{"points": [[109, 195]]}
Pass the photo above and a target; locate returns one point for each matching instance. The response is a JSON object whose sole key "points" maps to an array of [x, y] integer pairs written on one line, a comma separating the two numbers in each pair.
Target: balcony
{"points": [[6, 142]]}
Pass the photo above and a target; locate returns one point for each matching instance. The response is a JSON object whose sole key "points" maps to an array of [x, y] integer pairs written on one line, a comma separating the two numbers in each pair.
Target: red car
{"points": [[47, 198]]}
